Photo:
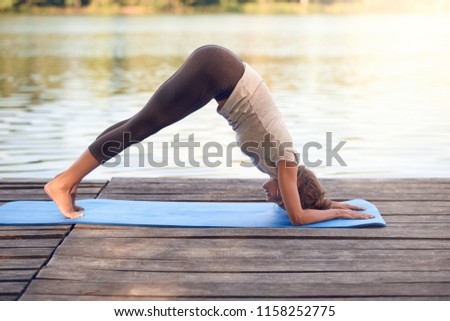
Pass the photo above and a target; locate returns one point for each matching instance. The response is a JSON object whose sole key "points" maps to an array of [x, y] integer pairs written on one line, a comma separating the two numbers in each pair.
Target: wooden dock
{"points": [[408, 260]]}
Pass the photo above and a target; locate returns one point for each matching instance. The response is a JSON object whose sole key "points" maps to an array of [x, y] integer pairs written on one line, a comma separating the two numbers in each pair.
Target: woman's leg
{"points": [[210, 72], [107, 130]]}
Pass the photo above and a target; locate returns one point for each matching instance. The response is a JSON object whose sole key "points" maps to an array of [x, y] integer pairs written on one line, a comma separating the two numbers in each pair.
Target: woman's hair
{"points": [[312, 194]]}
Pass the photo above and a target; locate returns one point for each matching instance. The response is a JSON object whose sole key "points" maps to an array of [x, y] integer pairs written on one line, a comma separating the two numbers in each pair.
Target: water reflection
{"points": [[380, 82]]}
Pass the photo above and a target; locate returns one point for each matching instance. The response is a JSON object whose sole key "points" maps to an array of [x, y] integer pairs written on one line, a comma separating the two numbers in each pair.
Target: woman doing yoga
{"points": [[213, 72]]}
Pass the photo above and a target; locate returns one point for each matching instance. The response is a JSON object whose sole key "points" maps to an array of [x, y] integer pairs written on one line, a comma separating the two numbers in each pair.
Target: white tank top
{"points": [[260, 130]]}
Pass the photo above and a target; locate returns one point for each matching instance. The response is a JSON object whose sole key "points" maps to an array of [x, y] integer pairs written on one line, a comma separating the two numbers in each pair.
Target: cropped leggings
{"points": [[209, 72]]}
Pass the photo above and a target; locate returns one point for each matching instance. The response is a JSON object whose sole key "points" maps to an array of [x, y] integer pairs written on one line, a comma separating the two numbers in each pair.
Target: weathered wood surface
{"points": [[24, 250], [250, 189], [425, 231], [270, 289], [408, 260], [83, 297]]}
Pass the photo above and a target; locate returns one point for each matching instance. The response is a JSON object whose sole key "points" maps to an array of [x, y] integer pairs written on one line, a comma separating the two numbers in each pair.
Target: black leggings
{"points": [[209, 72]]}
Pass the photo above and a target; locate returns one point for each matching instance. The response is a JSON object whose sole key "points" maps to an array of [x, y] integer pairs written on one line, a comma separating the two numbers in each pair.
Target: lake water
{"points": [[380, 83]]}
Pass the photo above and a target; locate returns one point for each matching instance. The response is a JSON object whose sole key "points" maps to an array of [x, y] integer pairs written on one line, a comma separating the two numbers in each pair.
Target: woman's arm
{"points": [[287, 182], [346, 206]]}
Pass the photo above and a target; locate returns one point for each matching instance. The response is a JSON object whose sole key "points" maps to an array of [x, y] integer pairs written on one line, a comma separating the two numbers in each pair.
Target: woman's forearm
{"points": [[313, 216]]}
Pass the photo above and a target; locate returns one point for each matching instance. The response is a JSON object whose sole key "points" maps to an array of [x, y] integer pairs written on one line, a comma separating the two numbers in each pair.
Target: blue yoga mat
{"points": [[172, 214]]}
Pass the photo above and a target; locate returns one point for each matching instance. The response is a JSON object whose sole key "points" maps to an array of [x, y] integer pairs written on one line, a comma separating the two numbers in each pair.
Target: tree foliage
{"points": [[6, 5], [226, 5]]}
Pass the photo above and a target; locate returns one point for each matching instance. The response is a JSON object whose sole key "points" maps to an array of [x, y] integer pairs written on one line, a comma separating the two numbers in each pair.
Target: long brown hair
{"points": [[312, 194]]}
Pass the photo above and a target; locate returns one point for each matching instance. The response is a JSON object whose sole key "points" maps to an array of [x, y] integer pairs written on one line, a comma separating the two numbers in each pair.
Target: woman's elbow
{"points": [[302, 218], [298, 220]]}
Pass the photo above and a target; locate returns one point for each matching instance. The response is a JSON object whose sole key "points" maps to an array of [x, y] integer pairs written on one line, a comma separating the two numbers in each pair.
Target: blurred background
{"points": [[374, 73]]}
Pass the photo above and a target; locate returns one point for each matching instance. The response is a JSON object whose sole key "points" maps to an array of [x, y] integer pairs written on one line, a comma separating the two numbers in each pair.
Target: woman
{"points": [[213, 72]]}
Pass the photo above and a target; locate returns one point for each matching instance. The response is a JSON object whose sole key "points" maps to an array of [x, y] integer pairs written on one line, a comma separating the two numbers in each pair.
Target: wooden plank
{"points": [[258, 181], [250, 189], [6, 189], [34, 234], [37, 194], [255, 253], [25, 252], [142, 244], [37, 180], [239, 196], [435, 226], [229, 187], [47, 297], [8, 297], [386, 185], [168, 187], [17, 185], [380, 182], [398, 232], [12, 287], [21, 263], [391, 184], [246, 289], [417, 219], [24, 243], [221, 197], [121, 181], [225, 278], [16, 275], [248, 265], [35, 228], [375, 196], [183, 197], [413, 208], [32, 189]]}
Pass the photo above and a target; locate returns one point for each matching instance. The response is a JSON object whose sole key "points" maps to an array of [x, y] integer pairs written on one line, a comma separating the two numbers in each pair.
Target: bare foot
{"points": [[73, 196], [75, 206], [61, 196]]}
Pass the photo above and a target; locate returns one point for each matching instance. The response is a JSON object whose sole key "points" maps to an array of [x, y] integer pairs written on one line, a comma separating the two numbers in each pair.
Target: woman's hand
{"points": [[350, 214], [349, 211]]}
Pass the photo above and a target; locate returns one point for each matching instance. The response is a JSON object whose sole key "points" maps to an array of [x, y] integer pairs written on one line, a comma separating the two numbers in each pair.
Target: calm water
{"points": [[381, 83]]}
